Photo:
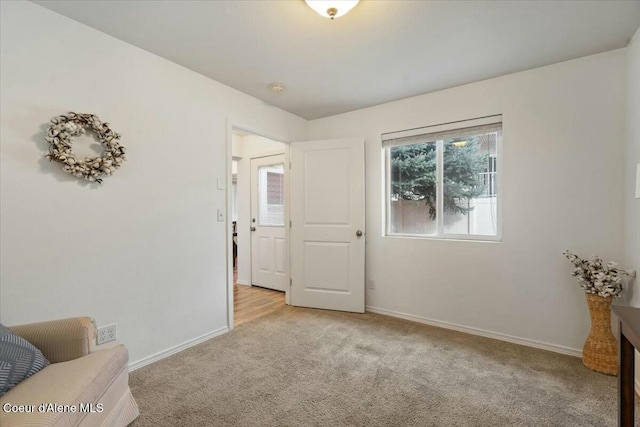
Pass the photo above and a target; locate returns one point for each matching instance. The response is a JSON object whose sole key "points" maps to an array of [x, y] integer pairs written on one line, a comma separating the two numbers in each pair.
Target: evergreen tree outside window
{"points": [[445, 183]]}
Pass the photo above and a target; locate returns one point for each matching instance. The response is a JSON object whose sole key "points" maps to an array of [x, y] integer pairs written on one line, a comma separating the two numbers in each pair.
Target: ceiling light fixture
{"points": [[332, 8]]}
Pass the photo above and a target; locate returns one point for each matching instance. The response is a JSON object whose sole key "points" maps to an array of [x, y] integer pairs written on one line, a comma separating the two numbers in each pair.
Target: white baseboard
{"points": [[176, 349], [242, 282], [481, 332]]}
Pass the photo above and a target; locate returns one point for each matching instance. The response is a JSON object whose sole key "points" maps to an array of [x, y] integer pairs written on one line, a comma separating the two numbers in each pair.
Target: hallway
{"points": [[252, 302]]}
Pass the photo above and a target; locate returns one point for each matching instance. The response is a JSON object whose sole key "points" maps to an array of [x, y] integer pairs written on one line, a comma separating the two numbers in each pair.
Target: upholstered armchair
{"points": [[89, 387]]}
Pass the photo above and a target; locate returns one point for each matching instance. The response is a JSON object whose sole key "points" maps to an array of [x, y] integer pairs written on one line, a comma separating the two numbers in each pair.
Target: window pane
{"points": [[271, 195], [412, 204], [469, 185]]}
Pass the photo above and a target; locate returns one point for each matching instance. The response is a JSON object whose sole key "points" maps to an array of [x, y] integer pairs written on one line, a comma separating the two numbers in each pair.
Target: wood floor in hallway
{"points": [[252, 302]]}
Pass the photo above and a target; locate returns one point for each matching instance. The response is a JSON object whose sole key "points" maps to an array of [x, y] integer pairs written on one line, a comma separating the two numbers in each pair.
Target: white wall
{"points": [[563, 143], [249, 146], [632, 158], [143, 250], [234, 191]]}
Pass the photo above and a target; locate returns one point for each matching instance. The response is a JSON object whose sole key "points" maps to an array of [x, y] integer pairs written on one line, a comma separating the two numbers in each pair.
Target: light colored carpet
{"points": [[302, 367]]}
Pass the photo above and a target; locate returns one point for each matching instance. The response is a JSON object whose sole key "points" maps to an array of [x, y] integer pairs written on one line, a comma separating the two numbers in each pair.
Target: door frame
{"points": [[239, 125]]}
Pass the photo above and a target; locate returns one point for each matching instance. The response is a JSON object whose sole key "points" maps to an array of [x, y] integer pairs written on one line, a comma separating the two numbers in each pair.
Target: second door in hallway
{"points": [[269, 247]]}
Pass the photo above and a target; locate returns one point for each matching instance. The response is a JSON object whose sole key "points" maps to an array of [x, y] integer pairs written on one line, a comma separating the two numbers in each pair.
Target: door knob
{"points": [[359, 233], [253, 229]]}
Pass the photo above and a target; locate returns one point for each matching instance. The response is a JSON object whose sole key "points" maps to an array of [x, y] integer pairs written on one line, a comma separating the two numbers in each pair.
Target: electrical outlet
{"points": [[107, 334], [372, 284]]}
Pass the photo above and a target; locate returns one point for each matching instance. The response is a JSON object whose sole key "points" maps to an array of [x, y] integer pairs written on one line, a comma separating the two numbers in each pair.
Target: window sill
{"points": [[471, 239]]}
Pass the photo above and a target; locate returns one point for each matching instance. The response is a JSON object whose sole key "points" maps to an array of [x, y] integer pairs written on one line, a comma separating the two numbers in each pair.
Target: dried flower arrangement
{"points": [[597, 277], [64, 127]]}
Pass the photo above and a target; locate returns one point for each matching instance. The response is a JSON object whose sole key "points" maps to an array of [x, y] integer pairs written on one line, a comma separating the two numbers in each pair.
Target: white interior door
{"points": [[327, 230], [269, 249]]}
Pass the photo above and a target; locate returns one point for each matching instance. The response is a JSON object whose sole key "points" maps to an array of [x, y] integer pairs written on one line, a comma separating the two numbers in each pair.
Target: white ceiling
{"points": [[379, 52]]}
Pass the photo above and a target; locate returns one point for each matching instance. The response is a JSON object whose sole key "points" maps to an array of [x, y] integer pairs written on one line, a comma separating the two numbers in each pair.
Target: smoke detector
{"points": [[276, 87]]}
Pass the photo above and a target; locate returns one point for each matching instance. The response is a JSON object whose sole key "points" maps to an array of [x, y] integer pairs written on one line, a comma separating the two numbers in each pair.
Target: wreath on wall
{"points": [[60, 137]]}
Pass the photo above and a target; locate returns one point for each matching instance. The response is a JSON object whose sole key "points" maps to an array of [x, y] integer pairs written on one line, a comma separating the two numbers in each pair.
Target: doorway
{"points": [[259, 236], [324, 226]]}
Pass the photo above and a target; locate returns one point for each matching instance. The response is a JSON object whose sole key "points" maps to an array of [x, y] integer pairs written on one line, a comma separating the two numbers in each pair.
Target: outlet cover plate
{"points": [[107, 334]]}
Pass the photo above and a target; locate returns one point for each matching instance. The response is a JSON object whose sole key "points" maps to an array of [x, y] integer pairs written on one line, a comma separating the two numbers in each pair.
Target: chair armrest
{"points": [[60, 340]]}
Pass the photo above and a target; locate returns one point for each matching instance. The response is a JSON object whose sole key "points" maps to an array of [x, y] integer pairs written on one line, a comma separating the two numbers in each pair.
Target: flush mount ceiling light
{"points": [[332, 8]]}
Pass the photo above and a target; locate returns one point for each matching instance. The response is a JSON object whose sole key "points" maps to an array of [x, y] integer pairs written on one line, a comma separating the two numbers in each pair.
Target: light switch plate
{"points": [[220, 215], [220, 183]]}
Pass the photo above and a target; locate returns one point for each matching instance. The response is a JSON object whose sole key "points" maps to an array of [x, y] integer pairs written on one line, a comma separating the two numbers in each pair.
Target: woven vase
{"points": [[600, 351]]}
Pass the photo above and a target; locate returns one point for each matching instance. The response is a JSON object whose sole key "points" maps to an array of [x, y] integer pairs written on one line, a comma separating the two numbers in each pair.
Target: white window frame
{"points": [[439, 235]]}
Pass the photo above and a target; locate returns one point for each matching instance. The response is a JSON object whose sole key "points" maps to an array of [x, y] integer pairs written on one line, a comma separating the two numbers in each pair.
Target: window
{"points": [[271, 195], [275, 187], [443, 181]]}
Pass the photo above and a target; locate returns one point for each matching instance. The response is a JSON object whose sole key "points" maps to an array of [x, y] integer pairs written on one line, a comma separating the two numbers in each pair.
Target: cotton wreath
{"points": [[61, 132]]}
